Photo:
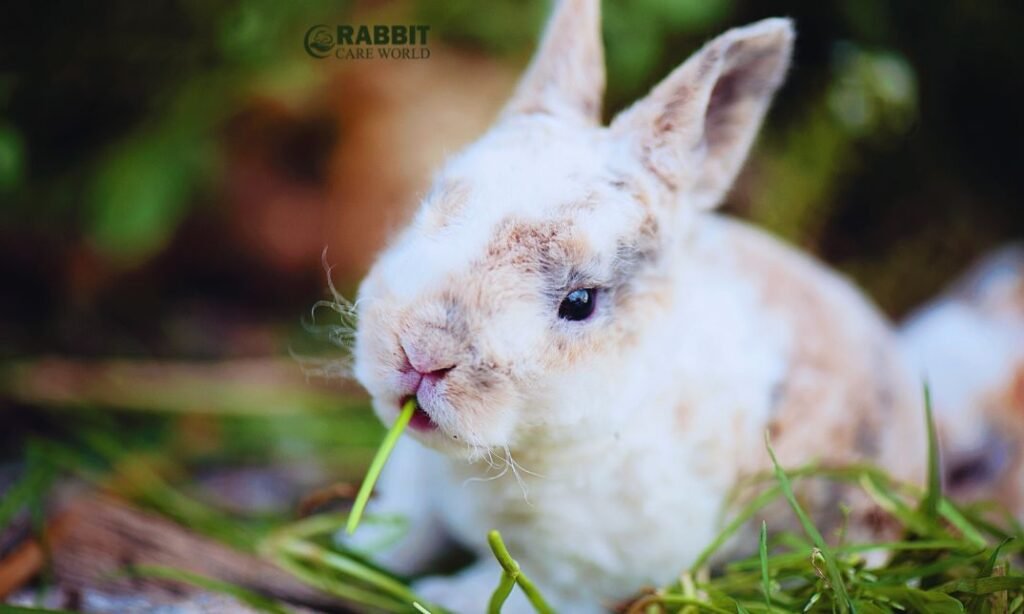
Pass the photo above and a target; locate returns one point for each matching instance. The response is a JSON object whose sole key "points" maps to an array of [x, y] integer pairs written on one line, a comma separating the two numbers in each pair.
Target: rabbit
{"points": [[969, 342], [596, 354]]}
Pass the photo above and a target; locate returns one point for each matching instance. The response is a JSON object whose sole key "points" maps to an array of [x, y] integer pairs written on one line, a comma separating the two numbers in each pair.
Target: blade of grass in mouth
{"points": [[378, 465]]}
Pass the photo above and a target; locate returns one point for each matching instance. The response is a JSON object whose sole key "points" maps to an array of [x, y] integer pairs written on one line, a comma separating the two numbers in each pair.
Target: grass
{"points": [[950, 558], [377, 465]]}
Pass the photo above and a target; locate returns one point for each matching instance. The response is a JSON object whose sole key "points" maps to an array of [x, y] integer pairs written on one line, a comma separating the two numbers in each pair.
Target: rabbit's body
{"points": [[970, 343], [637, 487], [596, 354]]}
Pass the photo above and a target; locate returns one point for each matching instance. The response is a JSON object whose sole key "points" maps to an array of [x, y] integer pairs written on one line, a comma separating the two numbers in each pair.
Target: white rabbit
{"points": [[597, 354], [970, 343]]}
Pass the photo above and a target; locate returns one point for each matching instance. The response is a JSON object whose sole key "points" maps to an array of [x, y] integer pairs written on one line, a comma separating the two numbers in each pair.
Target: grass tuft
{"points": [[835, 578], [950, 558]]}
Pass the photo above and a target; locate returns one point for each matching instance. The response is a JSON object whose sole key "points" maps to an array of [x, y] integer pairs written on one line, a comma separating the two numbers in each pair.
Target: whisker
{"points": [[510, 462]]}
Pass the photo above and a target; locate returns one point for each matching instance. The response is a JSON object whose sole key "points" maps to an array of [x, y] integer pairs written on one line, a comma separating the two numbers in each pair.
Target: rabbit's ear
{"points": [[566, 76], [695, 127]]}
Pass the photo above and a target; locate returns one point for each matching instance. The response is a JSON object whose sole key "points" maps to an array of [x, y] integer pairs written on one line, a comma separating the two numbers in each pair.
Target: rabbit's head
{"points": [[539, 253]]}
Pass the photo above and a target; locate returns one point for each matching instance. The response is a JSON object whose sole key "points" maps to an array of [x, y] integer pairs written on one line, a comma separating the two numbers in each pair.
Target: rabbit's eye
{"points": [[578, 304]]}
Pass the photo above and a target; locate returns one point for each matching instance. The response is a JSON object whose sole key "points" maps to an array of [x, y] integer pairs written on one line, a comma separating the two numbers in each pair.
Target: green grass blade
{"points": [[891, 503], [990, 564], [952, 515], [386, 447], [30, 489], [345, 590], [252, 599], [917, 600], [986, 571], [835, 578], [933, 494], [312, 553], [674, 599], [766, 585], [741, 519], [983, 586]]}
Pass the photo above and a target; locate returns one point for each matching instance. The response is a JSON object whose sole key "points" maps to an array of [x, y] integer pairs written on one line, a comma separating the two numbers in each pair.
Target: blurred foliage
{"points": [[889, 150], [142, 92]]}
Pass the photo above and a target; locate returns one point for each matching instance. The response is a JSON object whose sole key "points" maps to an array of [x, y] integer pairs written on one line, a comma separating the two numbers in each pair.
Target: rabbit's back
{"points": [[844, 394]]}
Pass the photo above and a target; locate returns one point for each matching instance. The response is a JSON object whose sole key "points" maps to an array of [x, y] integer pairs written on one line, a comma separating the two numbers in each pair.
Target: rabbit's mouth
{"points": [[421, 420]]}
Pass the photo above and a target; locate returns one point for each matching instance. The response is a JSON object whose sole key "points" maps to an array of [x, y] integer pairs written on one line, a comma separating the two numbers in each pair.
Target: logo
{"points": [[319, 41], [350, 42]]}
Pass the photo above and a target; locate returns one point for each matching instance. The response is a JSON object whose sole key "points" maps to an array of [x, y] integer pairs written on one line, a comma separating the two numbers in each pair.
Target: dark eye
{"points": [[578, 304]]}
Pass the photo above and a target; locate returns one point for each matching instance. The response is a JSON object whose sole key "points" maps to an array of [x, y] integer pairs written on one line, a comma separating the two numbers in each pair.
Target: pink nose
{"points": [[426, 364]]}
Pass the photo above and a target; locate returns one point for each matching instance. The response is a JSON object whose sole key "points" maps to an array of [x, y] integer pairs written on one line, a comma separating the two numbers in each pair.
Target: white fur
{"points": [[622, 500], [969, 344]]}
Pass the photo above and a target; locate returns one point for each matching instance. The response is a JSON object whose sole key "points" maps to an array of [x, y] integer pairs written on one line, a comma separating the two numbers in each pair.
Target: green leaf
{"points": [[141, 192]]}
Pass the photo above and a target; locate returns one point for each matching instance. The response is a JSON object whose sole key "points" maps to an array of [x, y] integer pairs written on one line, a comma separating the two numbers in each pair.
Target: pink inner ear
{"points": [[752, 73], [720, 119]]}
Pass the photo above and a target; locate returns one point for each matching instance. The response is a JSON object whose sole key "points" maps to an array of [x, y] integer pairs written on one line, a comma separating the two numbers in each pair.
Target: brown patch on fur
{"points": [[1017, 393], [838, 395], [667, 178], [668, 120], [529, 246], [554, 252], [844, 398]]}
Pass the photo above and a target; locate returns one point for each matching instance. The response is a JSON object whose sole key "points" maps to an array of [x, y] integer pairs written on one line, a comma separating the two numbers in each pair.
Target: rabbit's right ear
{"points": [[566, 76], [694, 129]]}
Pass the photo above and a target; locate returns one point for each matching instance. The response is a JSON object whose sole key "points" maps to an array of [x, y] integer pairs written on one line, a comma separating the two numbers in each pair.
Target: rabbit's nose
{"points": [[429, 365]]}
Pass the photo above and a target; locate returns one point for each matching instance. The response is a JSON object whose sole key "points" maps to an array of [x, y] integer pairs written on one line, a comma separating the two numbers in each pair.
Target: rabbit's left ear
{"points": [[694, 129], [566, 76]]}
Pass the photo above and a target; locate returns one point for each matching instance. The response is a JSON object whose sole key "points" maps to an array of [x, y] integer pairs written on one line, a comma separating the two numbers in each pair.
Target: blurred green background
{"points": [[171, 171], [892, 151]]}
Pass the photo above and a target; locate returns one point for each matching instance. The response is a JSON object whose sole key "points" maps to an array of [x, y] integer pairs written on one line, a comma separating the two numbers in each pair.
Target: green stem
{"points": [[512, 574], [386, 447], [505, 586], [315, 554], [339, 589], [765, 581]]}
